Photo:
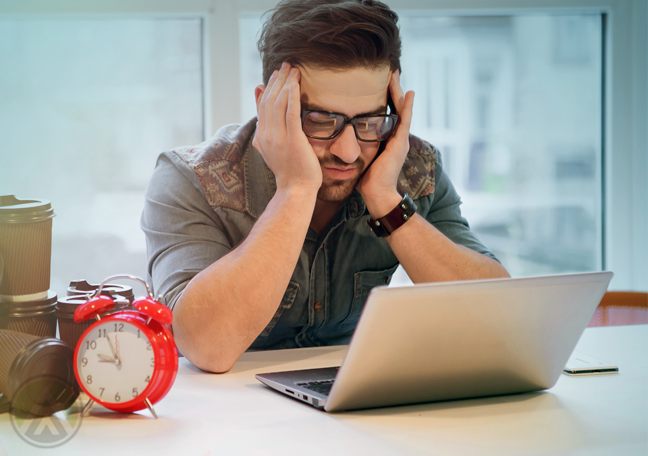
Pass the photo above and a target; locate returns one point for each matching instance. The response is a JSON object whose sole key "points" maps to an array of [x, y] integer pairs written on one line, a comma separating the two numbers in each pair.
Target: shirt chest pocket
{"points": [[286, 303], [363, 282]]}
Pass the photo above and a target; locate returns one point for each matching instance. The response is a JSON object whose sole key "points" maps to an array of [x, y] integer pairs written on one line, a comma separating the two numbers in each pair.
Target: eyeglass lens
{"points": [[323, 125]]}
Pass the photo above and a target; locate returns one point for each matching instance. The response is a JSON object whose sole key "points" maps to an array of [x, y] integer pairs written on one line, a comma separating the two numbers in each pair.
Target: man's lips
{"points": [[340, 173]]}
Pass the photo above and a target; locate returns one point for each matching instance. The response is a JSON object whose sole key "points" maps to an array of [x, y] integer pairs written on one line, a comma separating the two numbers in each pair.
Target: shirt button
{"points": [[318, 306]]}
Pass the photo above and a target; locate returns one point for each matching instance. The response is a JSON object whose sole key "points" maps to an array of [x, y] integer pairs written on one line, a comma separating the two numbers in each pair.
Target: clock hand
{"points": [[112, 349], [105, 358], [117, 350]]}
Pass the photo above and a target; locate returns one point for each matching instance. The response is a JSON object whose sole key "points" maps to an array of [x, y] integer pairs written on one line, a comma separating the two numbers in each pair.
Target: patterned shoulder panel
{"points": [[417, 175], [218, 164]]}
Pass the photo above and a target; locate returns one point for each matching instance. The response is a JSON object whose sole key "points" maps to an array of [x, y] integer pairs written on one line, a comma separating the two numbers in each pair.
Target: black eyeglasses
{"points": [[327, 125]]}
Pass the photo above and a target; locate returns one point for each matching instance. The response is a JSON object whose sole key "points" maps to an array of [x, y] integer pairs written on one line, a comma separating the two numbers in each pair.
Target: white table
{"points": [[233, 414]]}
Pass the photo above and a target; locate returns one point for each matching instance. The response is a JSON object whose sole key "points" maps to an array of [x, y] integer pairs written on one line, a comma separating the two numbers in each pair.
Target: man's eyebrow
{"points": [[313, 107]]}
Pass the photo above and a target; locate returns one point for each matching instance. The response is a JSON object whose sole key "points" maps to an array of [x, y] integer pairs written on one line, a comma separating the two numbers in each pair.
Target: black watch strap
{"points": [[386, 225]]}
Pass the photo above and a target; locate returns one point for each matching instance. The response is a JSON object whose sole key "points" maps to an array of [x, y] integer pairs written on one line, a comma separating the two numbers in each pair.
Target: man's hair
{"points": [[330, 34]]}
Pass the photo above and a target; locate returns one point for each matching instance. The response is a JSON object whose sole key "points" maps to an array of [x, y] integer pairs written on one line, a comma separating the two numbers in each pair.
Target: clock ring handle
{"points": [[93, 308], [124, 276], [153, 309]]}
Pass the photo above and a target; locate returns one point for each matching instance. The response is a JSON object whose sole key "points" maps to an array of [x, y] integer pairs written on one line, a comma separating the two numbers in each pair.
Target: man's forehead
{"points": [[356, 89]]}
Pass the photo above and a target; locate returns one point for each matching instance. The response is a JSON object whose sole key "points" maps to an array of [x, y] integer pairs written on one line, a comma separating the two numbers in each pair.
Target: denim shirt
{"points": [[203, 201]]}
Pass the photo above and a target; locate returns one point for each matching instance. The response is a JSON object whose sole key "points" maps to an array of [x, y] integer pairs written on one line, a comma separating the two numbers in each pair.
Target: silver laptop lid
{"points": [[455, 340]]}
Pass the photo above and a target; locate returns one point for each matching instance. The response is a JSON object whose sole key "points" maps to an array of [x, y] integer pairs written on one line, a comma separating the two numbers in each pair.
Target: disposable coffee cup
{"points": [[36, 317], [26, 248], [69, 331], [36, 374]]}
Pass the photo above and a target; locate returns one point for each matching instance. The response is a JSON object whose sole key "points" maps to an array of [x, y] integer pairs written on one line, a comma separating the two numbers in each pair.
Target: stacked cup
{"points": [[26, 302], [36, 374], [70, 332]]}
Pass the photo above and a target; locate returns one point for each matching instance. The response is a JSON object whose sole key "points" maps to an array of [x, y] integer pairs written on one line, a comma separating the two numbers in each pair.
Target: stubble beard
{"points": [[339, 190]]}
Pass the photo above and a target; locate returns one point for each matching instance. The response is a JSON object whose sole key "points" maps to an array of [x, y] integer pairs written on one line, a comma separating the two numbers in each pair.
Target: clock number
{"points": [[91, 345], [147, 379], [138, 333], [102, 390], [135, 393], [117, 398], [89, 379], [121, 327], [152, 362], [84, 362], [104, 333], [148, 346]]}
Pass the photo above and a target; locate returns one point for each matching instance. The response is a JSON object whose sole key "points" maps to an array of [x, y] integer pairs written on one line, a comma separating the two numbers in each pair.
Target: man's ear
{"points": [[258, 93]]}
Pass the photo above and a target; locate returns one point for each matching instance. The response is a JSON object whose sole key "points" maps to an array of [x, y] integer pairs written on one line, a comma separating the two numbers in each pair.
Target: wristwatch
{"points": [[386, 225]]}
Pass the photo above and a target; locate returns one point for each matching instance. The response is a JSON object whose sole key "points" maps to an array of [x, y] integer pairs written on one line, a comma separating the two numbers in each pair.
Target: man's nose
{"points": [[346, 146]]}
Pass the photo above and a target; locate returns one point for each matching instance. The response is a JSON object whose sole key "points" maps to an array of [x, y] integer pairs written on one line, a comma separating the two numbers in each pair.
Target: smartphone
{"points": [[580, 364]]}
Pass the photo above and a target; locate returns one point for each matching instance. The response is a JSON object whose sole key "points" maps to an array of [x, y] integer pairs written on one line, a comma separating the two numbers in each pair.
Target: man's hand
{"points": [[279, 136], [378, 186], [425, 253], [251, 279]]}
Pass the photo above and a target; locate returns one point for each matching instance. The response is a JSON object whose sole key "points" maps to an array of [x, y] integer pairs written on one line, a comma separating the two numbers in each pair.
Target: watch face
{"points": [[115, 362]]}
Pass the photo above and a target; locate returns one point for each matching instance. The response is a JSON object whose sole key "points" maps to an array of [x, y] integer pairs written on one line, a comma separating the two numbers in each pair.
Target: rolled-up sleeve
{"points": [[444, 213], [183, 233]]}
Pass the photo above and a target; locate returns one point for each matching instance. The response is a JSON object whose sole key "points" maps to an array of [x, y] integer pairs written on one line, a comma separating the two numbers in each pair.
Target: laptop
{"points": [[453, 340]]}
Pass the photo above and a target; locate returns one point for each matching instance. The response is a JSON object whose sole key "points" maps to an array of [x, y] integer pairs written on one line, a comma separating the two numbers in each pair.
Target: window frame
{"points": [[625, 103]]}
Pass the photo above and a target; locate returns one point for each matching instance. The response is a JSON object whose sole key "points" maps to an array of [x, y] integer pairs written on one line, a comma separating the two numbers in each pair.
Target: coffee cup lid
{"points": [[41, 378], [14, 210], [82, 287], [66, 306], [29, 308]]}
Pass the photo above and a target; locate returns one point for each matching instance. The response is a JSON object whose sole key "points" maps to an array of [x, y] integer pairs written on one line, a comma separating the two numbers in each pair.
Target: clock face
{"points": [[115, 362]]}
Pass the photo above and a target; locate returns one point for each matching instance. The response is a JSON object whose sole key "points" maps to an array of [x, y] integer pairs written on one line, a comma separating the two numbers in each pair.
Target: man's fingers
{"points": [[261, 108], [408, 106], [281, 103], [278, 83], [276, 102], [266, 92], [270, 85], [397, 93], [404, 118], [403, 102], [293, 112], [270, 94], [279, 108]]}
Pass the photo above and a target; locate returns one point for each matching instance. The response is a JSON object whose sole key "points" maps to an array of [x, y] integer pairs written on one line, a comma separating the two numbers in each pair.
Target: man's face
{"points": [[350, 92]]}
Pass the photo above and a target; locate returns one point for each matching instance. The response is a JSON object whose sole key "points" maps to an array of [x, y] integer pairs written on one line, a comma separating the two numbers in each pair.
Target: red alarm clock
{"points": [[128, 360]]}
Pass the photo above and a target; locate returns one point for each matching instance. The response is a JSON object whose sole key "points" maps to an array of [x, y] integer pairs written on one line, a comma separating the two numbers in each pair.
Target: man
{"points": [[258, 238]]}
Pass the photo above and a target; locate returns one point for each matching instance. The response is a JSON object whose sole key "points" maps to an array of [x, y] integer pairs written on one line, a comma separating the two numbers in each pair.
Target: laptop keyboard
{"points": [[321, 386]]}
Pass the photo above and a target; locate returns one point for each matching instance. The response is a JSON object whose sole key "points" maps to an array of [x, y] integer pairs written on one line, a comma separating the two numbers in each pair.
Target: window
{"points": [[87, 105], [514, 105], [223, 98]]}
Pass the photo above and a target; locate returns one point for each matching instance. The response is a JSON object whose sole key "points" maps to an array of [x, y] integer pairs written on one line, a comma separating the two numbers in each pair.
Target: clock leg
{"points": [[150, 407], [87, 407]]}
